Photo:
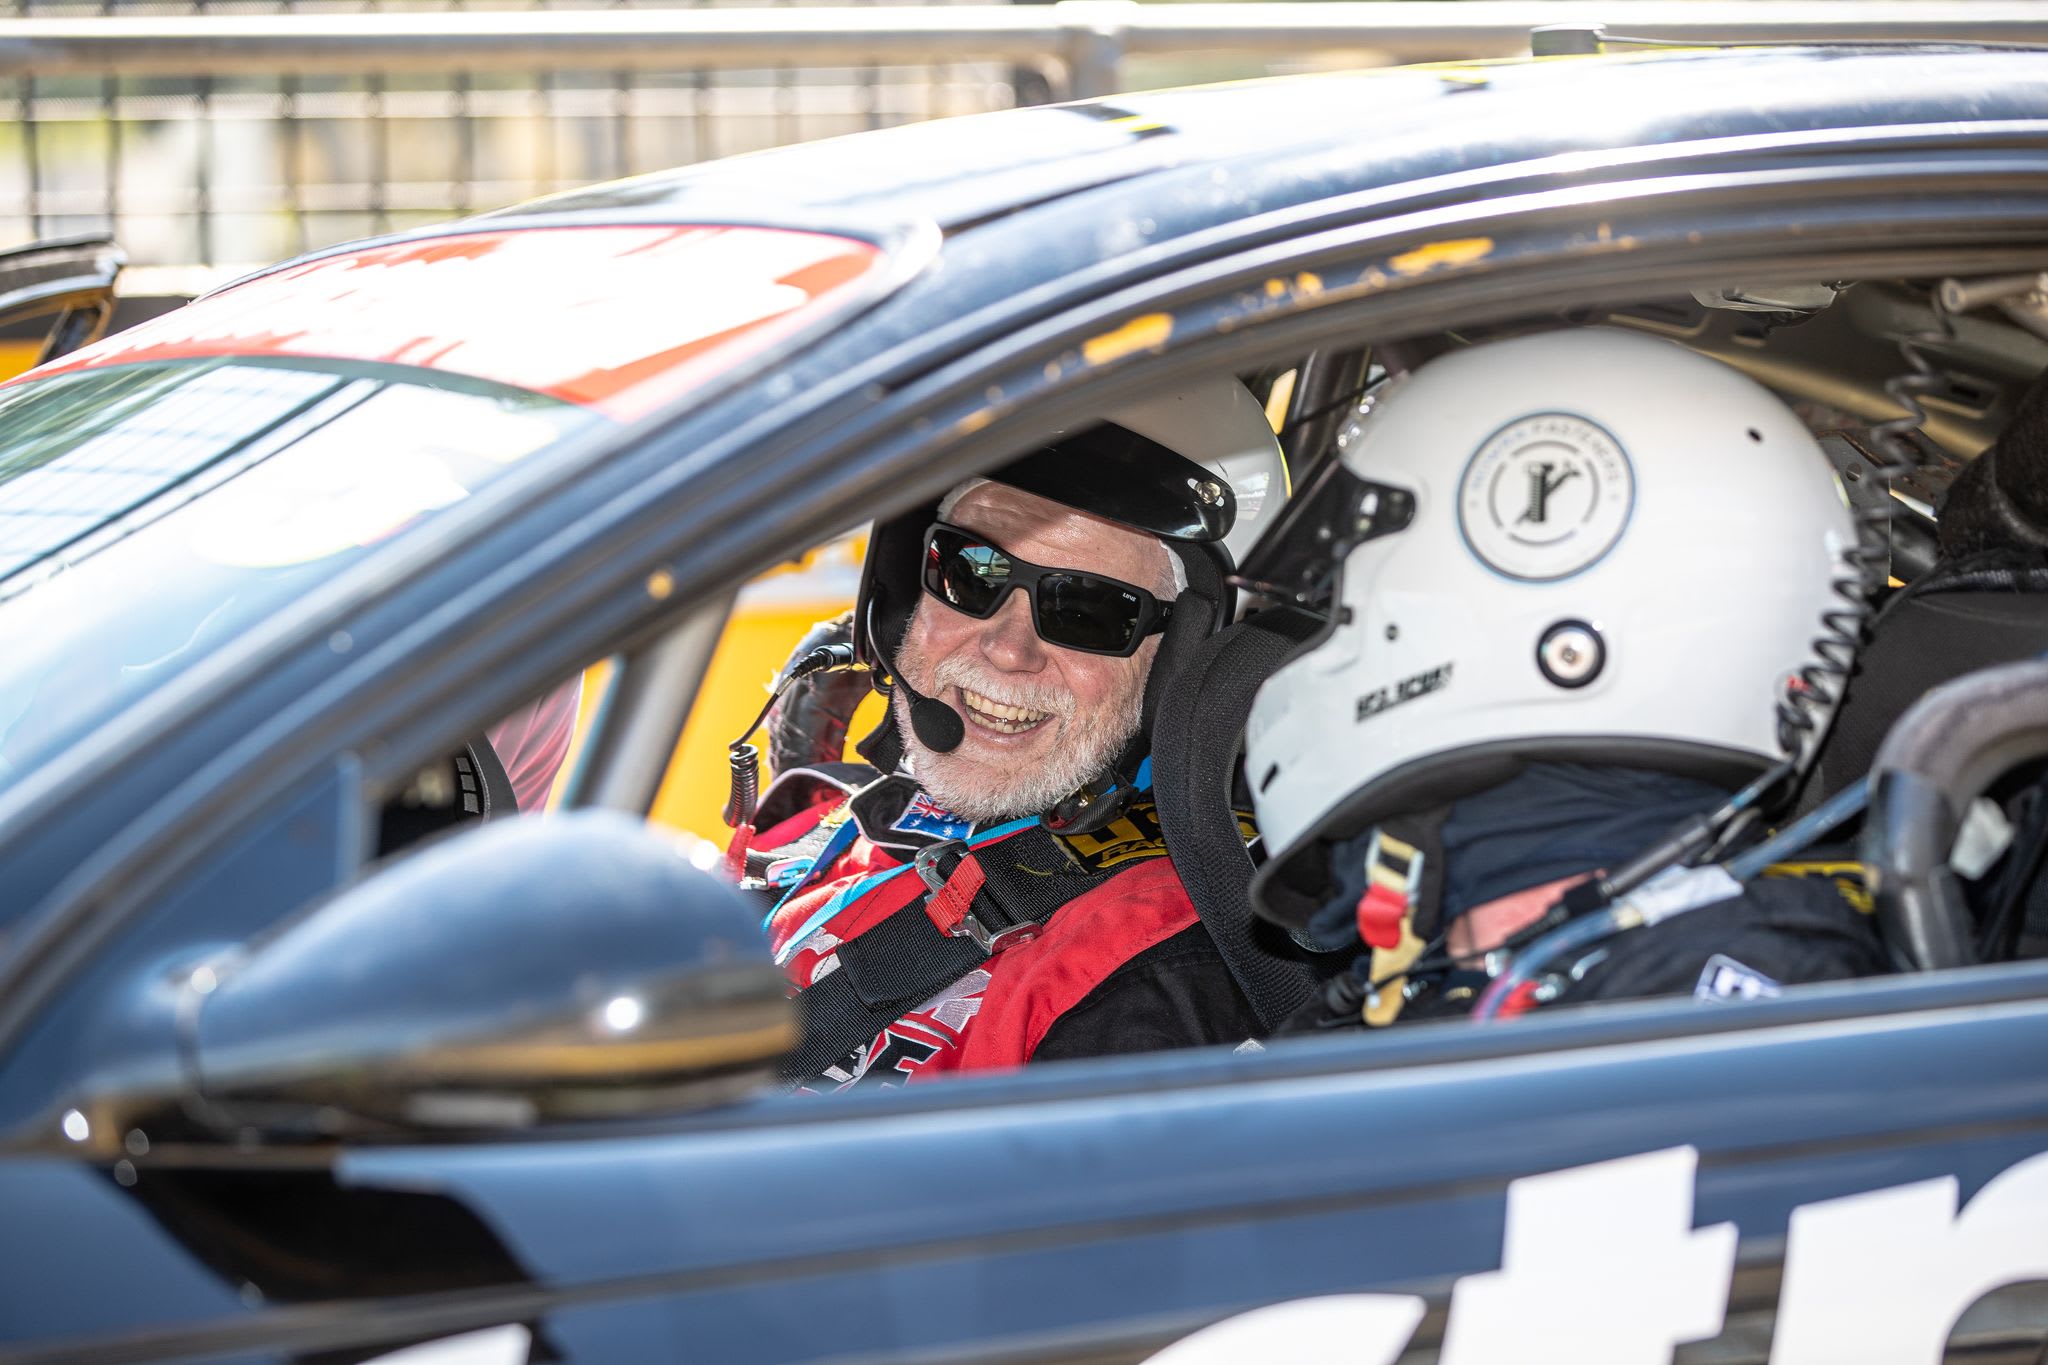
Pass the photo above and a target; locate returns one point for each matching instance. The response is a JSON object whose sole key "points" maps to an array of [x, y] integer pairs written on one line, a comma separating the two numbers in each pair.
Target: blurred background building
{"points": [[222, 167], [236, 170]]}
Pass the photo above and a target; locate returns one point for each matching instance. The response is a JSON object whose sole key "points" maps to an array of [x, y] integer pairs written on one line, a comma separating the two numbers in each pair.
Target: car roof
{"points": [[962, 171], [1023, 197]]}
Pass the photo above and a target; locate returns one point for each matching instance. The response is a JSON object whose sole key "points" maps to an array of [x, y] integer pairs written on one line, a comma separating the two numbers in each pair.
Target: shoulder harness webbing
{"points": [[1196, 747], [976, 903]]}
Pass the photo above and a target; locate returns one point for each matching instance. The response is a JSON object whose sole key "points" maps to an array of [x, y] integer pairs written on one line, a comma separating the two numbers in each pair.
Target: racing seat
{"points": [[466, 785], [1197, 740], [1959, 619], [1984, 603], [1956, 620]]}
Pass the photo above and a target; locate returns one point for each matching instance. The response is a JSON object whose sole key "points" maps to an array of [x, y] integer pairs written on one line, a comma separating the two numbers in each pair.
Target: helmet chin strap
{"points": [[1097, 802]]}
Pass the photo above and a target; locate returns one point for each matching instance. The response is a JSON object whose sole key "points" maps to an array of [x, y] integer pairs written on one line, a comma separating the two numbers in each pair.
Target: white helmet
{"points": [[1589, 546], [1217, 423]]}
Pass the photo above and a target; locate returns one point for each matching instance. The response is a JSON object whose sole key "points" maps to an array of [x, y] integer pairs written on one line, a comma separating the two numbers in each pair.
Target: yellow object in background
{"points": [[756, 643], [772, 614], [17, 357]]}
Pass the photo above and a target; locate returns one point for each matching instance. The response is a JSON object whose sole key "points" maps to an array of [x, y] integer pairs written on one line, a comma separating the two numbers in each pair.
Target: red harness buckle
{"points": [[1380, 911], [950, 907], [951, 898]]}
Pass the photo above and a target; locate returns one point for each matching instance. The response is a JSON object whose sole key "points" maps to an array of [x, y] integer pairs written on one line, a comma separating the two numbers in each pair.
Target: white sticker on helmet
{"points": [[1545, 497]]}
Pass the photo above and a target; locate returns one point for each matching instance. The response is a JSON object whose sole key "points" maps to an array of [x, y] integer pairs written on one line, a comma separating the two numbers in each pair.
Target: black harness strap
{"points": [[1196, 742], [906, 959]]}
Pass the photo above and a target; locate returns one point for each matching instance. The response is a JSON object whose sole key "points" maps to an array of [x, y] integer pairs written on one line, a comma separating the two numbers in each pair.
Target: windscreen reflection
{"points": [[149, 514]]}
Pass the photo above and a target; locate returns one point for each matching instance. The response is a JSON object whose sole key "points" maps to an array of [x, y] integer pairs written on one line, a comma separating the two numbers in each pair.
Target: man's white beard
{"points": [[1083, 746]]}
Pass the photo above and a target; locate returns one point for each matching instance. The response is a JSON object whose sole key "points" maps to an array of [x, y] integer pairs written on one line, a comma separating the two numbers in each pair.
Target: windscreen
{"points": [[150, 513]]}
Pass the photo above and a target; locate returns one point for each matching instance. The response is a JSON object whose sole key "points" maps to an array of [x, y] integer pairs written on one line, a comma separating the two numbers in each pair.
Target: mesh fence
{"points": [[233, 170]]}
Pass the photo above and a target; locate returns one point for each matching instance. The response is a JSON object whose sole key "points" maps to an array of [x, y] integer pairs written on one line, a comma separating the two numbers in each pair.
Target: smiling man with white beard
{"points": [[994, 889], [1040, 720]]}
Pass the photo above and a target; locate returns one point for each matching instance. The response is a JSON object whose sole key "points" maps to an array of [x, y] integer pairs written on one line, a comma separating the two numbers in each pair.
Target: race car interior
{"points": [[1904, 383]]}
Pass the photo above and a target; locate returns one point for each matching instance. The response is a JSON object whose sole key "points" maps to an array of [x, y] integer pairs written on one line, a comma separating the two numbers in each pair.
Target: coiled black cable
{"points": [[744, 759], [1812, 694], [744, 795]]}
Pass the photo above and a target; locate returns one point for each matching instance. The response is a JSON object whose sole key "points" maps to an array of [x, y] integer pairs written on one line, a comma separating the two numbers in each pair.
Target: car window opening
{"points": [[1833, 375], [1396, 952]]}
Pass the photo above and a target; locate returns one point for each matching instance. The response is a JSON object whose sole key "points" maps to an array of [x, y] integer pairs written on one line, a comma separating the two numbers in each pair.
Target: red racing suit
{"points": [[1124, 965]]}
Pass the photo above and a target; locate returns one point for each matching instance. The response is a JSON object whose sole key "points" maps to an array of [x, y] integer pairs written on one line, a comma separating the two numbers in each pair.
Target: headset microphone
{"points": [[938, 726]]}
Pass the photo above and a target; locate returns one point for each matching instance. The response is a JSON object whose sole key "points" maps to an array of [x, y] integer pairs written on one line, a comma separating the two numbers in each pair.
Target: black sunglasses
{"points": [[1073, 610]]}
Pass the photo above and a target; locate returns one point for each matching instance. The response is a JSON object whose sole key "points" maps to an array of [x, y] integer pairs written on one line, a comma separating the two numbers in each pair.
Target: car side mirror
{"points": [[576, 966]]}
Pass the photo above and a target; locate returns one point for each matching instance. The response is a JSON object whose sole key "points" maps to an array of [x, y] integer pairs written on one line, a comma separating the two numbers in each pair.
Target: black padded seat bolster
{"points": [[1196, 739], [1919, 643], [500, 797]]}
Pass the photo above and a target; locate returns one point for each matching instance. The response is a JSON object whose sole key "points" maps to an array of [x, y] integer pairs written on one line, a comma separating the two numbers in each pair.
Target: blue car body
{"points": [[1615, 1183]]}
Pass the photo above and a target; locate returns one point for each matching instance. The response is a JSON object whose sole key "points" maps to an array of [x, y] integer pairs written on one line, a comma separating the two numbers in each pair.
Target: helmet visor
{"points": [[1298, 558], [1121, 476]]}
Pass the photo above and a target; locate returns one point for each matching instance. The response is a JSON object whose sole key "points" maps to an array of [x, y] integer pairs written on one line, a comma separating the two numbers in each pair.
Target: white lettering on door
{"points": [[1600, 1266], [1883, 1276], [1338, 1329]]}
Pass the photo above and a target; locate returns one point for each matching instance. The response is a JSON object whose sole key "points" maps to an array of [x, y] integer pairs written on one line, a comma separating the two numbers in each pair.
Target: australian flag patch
{"points": [[925, 816]]}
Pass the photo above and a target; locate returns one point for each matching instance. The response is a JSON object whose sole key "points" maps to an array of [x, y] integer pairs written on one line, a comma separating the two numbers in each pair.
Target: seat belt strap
{"points": [[976, 904], [951, 892]]}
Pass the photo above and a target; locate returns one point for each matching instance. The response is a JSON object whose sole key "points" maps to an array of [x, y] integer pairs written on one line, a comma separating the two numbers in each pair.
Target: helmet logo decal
{"points": [[1386, 698], [1546, 497]]}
